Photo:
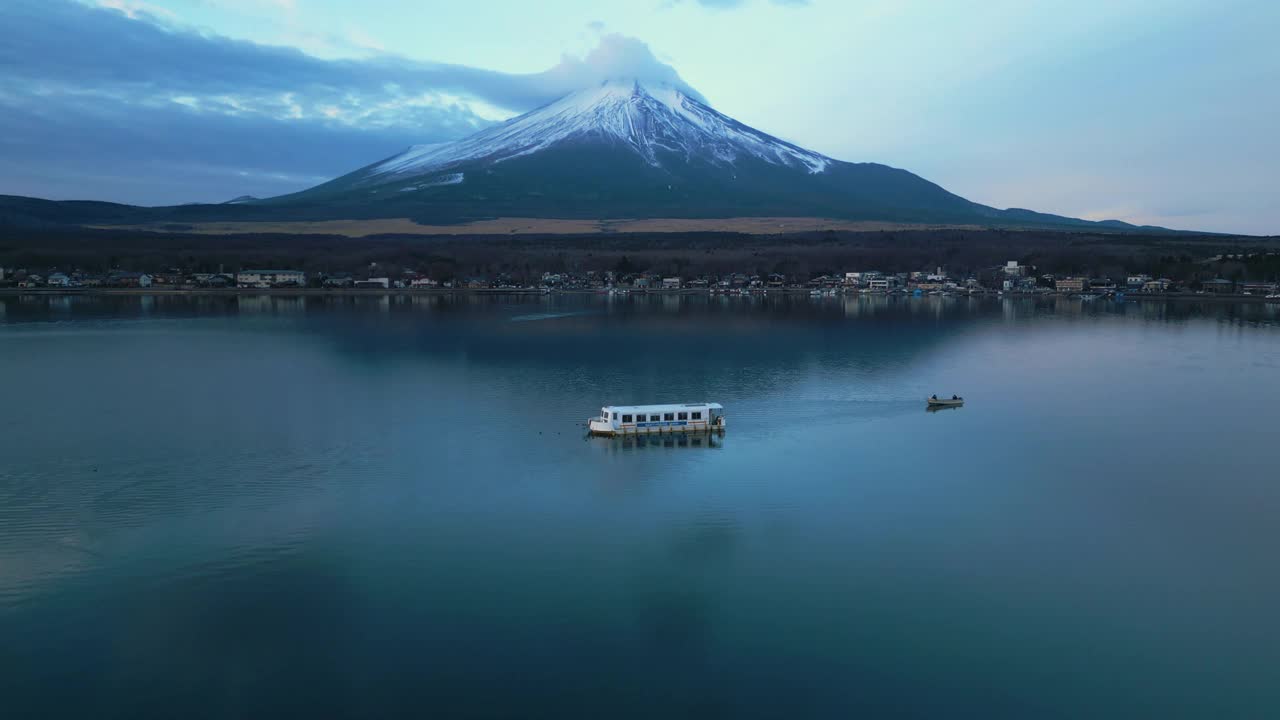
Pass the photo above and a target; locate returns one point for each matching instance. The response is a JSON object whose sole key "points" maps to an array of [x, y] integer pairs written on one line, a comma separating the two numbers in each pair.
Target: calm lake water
{"points": [[366, 506]]}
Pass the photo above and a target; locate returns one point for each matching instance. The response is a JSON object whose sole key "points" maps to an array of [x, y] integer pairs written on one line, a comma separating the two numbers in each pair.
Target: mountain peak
{"points": [[658, 120]]}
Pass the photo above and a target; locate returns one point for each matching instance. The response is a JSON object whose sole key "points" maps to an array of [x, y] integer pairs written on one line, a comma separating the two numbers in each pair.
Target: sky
{"points": [[1158, 112]]}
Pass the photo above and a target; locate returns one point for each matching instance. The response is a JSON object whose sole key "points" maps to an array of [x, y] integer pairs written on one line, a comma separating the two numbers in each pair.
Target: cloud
{"points": [[124, 85]]}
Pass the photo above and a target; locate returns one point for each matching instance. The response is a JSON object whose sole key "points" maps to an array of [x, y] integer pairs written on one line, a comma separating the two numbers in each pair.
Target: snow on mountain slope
{"points": [[655, 120]]}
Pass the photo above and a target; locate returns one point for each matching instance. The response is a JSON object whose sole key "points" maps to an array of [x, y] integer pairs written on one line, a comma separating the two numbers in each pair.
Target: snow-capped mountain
{"points": [[633, 148], [656, 122]]}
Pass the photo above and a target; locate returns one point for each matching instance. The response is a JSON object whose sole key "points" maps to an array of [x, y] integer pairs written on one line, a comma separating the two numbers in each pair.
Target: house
{"points": [[338, 280], [167, 278], [1013, 269], [1137, 281], [879, 284], [671, 283], [423, 283], [1156, 286], [58, 280], [1102, 284], [129, 279], [378, 282], [270, 278], [1256, 288], [213, 280], [1070, 284], [1218, 286]]}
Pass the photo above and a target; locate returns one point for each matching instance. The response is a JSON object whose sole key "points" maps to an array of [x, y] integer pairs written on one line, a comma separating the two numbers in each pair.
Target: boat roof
{"points": [[662, 408]]}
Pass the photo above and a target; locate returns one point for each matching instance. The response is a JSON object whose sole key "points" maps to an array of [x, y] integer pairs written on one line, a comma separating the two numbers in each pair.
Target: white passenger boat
{"points": [[645, 419]]}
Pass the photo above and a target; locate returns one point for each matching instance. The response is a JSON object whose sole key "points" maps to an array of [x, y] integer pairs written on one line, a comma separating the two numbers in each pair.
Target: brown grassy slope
{"points": [[543, 226]]}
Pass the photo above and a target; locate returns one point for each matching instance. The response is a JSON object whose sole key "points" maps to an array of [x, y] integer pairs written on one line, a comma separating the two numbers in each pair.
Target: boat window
{"points": [[669, 417], [626, 418], [682, 416], [697, 415], [654, 418]]}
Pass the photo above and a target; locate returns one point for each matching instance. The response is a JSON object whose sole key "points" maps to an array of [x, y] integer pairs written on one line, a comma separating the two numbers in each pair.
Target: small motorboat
{"points": [[953, 401]]}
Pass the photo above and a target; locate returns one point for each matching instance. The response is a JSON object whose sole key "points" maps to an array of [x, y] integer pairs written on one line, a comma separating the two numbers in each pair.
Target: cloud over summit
{"points": [[124, 66]]}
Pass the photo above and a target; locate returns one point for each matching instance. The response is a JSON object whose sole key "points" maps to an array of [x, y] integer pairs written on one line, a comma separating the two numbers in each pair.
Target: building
{"points": [[270, 278], [878, 284], [1071, 284], [215, 280], [423, 284], [167, 278], [1218, 286], [1256, 288], [58, 280], [378, 282], [338, 280], [1156, 286], [671, 283], [129, 279], [1137, 281], [1013, 269]]}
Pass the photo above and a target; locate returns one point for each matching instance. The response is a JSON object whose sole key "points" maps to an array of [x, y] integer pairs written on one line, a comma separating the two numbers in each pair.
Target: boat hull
{"points": [[945, 403], [604, 429]]}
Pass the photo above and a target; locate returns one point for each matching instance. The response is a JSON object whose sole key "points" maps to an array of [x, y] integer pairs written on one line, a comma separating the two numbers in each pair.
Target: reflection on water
{"points": [[940, 408], [712, 441], [380, 505]]}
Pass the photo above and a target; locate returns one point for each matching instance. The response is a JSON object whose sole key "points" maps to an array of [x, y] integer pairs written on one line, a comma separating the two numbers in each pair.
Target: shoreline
{"points": [[374, 292]]}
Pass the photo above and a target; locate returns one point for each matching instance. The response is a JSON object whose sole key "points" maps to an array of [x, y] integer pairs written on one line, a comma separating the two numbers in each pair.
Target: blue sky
{"points": [[1151, 111]]}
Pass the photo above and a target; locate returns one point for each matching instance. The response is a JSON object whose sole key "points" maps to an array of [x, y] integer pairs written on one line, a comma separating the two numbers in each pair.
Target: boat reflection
{"points": [[695, 441], [940, 408]]}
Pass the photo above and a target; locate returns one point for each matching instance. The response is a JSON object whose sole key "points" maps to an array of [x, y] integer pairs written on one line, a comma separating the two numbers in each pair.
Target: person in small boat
{"points": [[935, 397], [953, 397]]}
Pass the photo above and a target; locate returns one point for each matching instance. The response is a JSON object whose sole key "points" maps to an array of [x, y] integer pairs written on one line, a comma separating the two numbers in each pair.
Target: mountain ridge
{"points": [[622, 148]]}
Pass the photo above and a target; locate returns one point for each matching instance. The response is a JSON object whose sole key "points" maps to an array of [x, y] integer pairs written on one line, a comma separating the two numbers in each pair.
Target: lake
{"points": [[367, 506]]}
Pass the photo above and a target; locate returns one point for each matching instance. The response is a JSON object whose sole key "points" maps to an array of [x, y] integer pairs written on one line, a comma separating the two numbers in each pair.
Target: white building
{"points": [[270, 278], [58, 280], [671, 283], [379, 282], [878, 284], [1013, 269], [423, 283]]}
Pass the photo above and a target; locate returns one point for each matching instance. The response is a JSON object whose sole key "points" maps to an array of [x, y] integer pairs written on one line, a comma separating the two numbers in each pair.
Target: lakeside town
{"points": [[1010, 278]]}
